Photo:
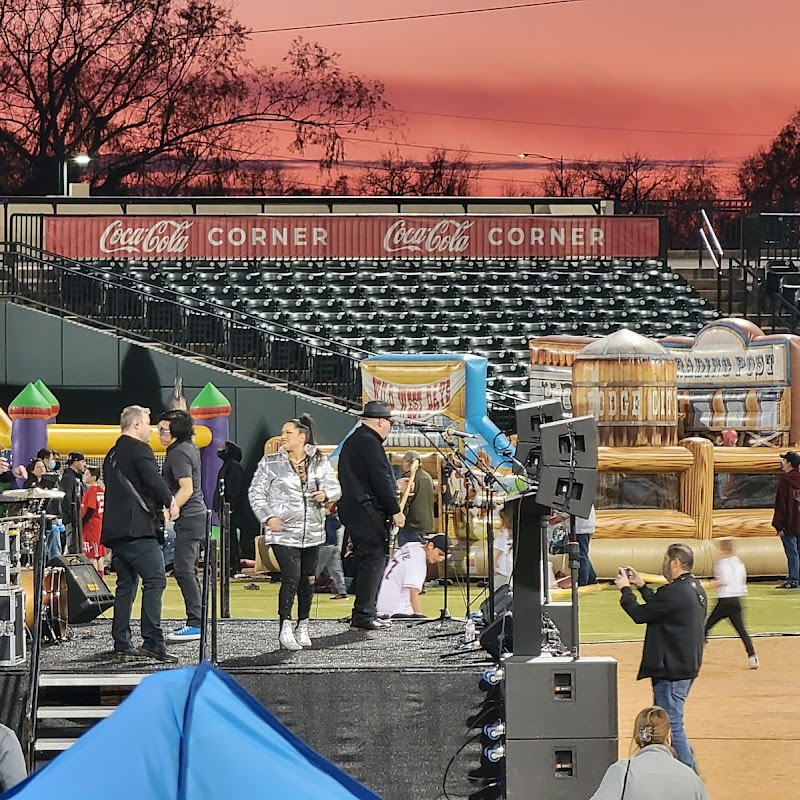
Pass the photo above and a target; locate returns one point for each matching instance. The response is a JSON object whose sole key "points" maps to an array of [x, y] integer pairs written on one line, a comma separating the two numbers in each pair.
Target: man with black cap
{"points": [[405, 576], [786, 519], [72, 486], [368, 506]]}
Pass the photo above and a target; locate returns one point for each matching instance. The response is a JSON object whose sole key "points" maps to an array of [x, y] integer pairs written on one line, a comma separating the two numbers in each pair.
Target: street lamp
{"points": [[82, 160]]}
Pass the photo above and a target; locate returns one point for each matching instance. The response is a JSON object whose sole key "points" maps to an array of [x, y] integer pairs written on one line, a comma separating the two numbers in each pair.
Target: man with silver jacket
{"points": [[288, 496]]}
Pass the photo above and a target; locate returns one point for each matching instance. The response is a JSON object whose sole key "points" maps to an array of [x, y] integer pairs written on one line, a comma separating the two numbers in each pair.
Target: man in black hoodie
{"points": [[230, 482], [675, 616], [786, 519], [136, 496]]}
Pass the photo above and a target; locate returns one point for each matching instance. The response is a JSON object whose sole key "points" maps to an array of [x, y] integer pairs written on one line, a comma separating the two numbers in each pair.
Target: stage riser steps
{"points": [[71, 704]]}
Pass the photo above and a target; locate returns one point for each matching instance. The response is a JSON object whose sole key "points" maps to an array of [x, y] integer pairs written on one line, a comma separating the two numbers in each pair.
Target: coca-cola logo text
{"points": [[447, 236], [162, 237]]}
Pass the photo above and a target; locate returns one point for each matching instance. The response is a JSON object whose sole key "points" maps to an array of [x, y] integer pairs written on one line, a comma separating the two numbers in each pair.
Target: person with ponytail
{"points": [[652, 772], [288, 495]]}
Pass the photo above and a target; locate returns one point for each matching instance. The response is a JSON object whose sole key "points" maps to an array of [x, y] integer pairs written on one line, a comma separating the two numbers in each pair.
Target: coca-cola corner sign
{"points": [[342, 236]]}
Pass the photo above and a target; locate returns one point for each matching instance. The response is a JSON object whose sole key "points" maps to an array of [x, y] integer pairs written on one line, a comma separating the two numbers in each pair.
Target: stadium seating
{"points": [[489, 307]]}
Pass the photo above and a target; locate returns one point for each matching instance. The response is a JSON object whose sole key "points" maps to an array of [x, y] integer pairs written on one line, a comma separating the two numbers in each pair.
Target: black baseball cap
{"points": [[792, 457], [73, 457], [439, 541]]}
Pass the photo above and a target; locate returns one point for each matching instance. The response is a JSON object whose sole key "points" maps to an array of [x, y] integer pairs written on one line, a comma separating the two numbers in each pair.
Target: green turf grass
{"points": [[767, 610]]}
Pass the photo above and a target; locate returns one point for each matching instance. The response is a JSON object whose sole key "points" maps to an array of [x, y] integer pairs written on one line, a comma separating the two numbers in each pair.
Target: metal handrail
{"points": [[205, 589], [32, 698], [236, 320], [225, 556]]}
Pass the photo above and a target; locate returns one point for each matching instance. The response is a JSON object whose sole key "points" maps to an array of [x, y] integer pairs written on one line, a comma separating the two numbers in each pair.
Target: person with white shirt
{"points": [[405, 575], [730, 581], [582, 534]]}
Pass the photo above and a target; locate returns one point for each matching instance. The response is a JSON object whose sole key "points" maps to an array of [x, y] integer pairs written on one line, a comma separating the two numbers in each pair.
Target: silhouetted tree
{"points": [[138, 83], [567, 179], [442, 173], [772, 175]]}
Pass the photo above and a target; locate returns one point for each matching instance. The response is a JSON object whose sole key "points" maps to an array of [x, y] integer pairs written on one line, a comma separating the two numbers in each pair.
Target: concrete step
{"points": [[119, 679], [75, 712], [54, 745]]}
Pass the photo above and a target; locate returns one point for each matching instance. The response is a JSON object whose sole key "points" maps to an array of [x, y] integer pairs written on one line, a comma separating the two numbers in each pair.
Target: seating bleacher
{"points": [[489, 308]]}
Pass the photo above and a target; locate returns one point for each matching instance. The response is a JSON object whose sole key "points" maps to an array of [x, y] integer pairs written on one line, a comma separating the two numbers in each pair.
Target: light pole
{"points": [[82, 160]]}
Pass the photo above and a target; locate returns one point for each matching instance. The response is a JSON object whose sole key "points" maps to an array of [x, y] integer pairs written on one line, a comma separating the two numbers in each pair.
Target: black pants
{"points": [[133, 559], [731, 608], [189, 535], [298, 570], [370, 550], [235, 565]]}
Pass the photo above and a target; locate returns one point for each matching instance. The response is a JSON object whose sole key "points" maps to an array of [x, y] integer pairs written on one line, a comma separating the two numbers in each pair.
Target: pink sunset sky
{"points": [[678, 79]]}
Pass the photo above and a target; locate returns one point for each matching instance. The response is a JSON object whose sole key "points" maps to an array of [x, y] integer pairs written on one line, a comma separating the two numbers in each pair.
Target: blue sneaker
{"points": [[184, 634]]}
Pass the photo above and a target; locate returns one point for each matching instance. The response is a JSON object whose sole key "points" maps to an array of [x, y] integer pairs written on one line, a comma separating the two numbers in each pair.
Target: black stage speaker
{"points": [[87, 594]]}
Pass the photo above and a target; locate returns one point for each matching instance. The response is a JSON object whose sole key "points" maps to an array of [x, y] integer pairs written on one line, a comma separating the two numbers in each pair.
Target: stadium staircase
{"points": [[70, 704], [308, 324]]}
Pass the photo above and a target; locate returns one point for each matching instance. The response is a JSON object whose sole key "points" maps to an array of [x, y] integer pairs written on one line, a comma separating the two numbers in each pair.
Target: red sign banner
{"points": [[351, 236]]}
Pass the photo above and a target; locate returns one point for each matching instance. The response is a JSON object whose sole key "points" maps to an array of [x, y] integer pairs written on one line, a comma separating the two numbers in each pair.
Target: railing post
{"points": [[206, 586], [225, 560], [214, 567]]}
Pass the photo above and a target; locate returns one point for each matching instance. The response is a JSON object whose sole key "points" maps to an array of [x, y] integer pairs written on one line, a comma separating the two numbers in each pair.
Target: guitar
{"points": [[403, 500]]}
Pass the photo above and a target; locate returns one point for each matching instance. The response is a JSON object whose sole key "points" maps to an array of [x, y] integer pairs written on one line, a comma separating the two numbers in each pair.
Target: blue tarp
{"points": [[190, 734]]}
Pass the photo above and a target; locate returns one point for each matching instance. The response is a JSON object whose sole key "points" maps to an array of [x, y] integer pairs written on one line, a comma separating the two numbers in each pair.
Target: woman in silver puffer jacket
{"points": [[288, 495]]}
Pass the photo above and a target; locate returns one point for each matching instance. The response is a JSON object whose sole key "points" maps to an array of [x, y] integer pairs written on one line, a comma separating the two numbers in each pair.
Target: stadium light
{"points": [[81, 159]]}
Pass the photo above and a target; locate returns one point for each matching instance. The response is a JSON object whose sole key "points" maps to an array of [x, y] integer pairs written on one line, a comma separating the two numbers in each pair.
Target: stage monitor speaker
{"points": [[570, 443], [503, 601], [531, 417], [87, 594], [570, 491]]}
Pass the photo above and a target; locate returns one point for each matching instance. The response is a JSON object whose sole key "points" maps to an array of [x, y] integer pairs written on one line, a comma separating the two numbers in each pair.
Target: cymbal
{"points": [[35, 493]]}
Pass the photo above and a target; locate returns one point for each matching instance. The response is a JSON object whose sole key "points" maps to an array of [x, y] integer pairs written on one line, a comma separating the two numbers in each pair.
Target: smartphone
{"points": [[629, 573], [7, 454]]}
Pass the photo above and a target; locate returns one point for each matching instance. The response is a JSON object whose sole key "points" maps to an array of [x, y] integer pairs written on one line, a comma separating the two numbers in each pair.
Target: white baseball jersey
{"points": [[406, 570]]}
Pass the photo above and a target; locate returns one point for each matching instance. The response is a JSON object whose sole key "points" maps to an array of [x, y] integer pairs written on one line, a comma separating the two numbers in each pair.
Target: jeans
{"points": [[790, 547], [298, 571], [671, 696], [404, 536], [132, 559], [53, 544], [189, 533], [330, 558], [586, 573]]}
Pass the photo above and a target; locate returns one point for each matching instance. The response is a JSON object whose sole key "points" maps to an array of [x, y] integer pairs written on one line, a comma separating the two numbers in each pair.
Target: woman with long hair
{"points": [[288, 495], [652, 772]]}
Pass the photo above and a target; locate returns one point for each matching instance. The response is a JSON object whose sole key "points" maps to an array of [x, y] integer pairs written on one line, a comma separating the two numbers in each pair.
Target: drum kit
{"points": [[25, 526]]}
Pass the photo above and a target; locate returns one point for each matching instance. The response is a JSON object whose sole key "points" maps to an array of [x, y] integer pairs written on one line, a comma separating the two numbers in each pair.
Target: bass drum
{"points": [[55, 603]]}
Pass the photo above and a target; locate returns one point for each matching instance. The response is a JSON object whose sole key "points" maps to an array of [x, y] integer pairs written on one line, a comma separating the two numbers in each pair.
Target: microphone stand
{"points": [[444, 613]]}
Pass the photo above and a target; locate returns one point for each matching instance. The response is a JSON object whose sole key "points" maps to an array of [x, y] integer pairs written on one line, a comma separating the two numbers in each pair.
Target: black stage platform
{"points": [[383, 706]]}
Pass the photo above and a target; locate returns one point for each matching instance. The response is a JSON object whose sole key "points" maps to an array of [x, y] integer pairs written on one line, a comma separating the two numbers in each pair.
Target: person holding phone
{"points": [[288, 495], [675, 616]]}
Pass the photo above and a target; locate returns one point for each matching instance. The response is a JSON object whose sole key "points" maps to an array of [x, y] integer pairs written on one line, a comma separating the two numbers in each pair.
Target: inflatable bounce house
{"points": [[691, 431], [30, 425]]}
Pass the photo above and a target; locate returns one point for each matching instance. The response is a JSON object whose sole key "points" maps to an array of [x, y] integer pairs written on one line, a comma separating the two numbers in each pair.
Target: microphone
{"points": [[451, 431], [419, 425]]}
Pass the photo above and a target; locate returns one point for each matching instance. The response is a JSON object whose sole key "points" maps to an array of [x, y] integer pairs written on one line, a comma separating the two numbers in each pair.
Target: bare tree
{"points": [[133, 81], [567, 179], [632, 180], [442, 173]]}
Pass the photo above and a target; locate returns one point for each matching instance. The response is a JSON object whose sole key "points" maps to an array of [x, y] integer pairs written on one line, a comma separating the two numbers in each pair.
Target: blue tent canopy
{"points": [[191, 734]]}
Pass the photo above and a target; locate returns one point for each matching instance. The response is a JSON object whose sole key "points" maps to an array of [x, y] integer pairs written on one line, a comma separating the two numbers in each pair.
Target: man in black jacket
{"points": [[673, 644], [135, 498], [71, 484], [369, 503], [231, 481]]}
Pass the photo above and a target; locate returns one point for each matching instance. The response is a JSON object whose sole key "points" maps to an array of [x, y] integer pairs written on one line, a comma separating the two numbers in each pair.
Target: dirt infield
{"points": [[743, 724]]}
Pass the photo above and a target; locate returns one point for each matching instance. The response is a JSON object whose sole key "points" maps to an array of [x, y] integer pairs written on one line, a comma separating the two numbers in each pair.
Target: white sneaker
{"points": [[753, 662], [301, 633], [286, 638]]}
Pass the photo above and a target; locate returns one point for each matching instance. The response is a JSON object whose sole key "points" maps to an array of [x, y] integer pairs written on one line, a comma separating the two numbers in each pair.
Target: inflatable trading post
{"points": [[690, 432], [444, 390]]}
